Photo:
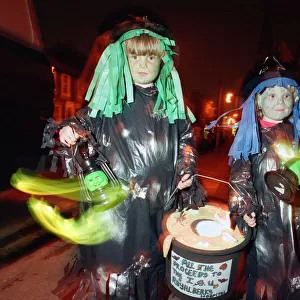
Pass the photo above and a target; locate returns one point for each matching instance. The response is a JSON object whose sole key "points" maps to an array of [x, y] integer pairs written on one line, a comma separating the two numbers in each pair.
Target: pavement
{"points": [[19, 233], [213, 172]]}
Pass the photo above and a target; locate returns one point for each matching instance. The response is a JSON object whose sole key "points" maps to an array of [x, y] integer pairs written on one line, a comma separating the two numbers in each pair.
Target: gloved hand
{"points": [[192, 197]]}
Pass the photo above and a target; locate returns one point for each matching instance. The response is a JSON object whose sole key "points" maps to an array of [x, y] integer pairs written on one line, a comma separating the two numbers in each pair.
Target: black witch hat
{"points": [[270, 68], [136, 22]]}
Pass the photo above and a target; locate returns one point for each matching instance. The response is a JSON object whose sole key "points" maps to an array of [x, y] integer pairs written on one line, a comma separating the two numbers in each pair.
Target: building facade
{"points": [[67, 66]]}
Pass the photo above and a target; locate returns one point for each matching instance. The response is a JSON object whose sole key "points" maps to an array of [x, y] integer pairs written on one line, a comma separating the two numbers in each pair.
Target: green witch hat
{"points": [[112, 84]]}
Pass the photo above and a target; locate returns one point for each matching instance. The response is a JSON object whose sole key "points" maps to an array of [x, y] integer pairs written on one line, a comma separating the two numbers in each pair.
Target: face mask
{"points": [[144, 68], [276, 104]]}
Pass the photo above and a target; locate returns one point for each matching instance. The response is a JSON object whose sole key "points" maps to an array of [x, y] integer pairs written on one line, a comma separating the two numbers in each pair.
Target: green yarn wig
{"points": [[112, 83]]}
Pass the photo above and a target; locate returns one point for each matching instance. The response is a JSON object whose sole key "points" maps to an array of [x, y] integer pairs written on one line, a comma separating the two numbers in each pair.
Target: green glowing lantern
{"points": [[95, 180]]}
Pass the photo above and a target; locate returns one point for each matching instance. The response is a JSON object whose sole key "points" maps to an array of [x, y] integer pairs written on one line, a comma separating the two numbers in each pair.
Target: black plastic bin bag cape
{"points": [[149, 154]]}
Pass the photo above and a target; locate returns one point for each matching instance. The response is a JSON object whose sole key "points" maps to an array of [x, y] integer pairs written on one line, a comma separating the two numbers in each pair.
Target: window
{"points": [[57, 116], [69, 109], [65, 86]]}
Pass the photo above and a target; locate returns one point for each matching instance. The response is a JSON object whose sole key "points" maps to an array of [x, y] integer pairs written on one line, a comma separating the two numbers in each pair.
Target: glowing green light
{"points": [[294, 165], [94, 226], [30, 183], [95, 180], [284, 151]]}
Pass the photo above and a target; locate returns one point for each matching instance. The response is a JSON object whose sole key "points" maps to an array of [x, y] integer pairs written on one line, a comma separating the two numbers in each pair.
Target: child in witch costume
{"points": [[137, 119], [258, 199]]}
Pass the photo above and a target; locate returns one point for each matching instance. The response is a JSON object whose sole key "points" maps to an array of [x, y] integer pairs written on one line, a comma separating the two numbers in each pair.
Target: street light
{"points": [[228, 97]]}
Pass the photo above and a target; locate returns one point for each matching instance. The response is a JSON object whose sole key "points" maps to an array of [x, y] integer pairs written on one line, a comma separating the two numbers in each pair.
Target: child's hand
{"points": [[250, 220], [68, 136], [185, 181]]}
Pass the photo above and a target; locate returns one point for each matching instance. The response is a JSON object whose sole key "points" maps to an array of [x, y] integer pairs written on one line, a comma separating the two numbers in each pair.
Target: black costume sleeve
{"points": [[195, 195], [242, 195], [61, 155]]}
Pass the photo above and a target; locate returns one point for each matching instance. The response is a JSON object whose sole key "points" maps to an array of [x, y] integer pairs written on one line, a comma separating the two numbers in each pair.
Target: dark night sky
{"points": [[217, 39]]}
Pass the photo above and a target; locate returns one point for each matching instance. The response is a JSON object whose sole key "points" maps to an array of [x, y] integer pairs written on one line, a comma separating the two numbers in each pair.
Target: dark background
{"points": [[218, 40]]}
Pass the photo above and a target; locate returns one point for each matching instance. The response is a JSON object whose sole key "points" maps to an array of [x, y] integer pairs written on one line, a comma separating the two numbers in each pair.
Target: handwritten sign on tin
{"points": [[200, 280]]}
